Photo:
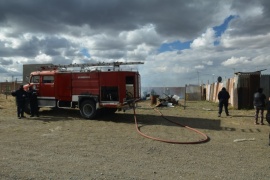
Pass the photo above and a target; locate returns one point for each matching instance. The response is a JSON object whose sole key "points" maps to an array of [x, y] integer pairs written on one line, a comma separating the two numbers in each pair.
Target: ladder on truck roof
{"points": [[114, 64]]}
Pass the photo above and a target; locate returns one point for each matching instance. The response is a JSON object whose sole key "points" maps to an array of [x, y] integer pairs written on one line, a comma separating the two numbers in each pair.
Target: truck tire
{"points": [[88, 109]]}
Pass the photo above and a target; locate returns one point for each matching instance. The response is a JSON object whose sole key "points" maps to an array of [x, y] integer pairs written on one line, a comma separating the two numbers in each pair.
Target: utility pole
{"points": [[6, 88], [198, 78]]}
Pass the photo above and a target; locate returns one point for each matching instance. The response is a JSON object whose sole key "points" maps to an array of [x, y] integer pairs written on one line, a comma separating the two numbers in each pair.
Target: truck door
{"points": [[35, 82], [47, 86]]}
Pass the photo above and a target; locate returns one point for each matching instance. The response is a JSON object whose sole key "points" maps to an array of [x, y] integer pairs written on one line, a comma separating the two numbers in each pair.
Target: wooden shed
{"points": [[246, 85]]}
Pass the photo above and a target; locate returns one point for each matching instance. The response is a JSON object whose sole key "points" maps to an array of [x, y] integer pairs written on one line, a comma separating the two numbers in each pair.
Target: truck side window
{"points": [[48, 79], [35, 79]]}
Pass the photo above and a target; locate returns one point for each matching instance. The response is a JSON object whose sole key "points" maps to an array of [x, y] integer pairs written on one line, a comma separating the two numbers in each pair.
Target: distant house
{"points": [[8, 87]]}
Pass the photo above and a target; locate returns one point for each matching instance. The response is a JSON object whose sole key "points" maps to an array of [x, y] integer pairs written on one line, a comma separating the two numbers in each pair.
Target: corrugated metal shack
{"points": [[241, 88], [265, 84]]}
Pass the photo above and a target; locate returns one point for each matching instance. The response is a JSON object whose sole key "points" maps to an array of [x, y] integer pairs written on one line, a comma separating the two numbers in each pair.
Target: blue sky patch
{"points": [[177, 45], [219, 30], [85, 52]]}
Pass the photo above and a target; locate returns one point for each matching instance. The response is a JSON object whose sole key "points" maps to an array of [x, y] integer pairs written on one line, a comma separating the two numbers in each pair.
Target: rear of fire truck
{"points": [[93, 92]]}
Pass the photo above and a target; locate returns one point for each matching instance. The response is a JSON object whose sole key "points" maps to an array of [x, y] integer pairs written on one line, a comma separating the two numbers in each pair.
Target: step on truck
{"points": [[89, 88]]}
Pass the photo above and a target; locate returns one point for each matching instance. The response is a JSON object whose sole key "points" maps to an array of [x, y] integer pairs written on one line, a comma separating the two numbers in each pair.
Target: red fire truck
{"points": [[90, 90]]}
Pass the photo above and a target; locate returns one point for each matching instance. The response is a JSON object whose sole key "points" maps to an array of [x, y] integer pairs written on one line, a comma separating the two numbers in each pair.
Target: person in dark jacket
{"points": [[259, 105], [32, 94], [21, 96], [223, 97]]}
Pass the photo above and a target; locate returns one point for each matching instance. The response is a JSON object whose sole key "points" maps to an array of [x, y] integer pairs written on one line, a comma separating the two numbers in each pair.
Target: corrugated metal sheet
{"points": [[193, 93], [247, 86], [241, 89], [265, 84]]}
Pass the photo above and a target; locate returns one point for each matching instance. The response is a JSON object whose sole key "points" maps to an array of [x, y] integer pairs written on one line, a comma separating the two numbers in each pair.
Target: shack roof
{"points": [[250, 73]]}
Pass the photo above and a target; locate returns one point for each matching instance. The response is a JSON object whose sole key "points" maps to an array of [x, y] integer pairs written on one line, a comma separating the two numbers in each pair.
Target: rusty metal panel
{"points": [[265, 84], [208, 90], [232, 92], [247, 86], [230, 89], [235, 92], [193, 93]]}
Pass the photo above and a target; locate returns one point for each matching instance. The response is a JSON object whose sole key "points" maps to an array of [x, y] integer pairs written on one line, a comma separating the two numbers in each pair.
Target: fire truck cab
{"points": [[92, 91]]}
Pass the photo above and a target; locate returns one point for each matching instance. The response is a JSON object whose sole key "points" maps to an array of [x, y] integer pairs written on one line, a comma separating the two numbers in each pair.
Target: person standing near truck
{"points": [[21, 96], [32, 95], [259, 105]]}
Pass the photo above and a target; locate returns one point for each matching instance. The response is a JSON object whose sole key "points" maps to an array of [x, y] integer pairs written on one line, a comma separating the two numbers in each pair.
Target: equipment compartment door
{"points": [[63, 86], [130, 87]]}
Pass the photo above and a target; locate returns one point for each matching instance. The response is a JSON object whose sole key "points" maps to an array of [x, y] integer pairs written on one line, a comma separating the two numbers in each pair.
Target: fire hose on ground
{"points": [[203, 140]]}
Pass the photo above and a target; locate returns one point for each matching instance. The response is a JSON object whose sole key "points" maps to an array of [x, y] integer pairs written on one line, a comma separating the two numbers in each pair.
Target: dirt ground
{"points": [[61, 145]]}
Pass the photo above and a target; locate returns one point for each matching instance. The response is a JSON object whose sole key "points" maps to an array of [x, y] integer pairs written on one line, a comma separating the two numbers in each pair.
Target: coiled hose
{"points": [[205, 137]]}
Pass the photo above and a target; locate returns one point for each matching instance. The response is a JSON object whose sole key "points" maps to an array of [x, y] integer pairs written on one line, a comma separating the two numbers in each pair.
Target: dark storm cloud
{"points": [[5, 62], [2, 70], [253, 17], [32, 47], [174, 17], [57, 31]]}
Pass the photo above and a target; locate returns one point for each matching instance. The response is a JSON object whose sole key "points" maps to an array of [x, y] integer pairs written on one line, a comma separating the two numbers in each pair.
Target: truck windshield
{"points": [[35, 79]]}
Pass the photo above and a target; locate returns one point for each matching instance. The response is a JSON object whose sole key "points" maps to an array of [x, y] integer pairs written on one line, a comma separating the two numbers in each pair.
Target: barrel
{"points": [[154, 99]]}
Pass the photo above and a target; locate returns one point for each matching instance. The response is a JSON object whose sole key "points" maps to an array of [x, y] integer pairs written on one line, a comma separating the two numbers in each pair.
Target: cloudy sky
{"points": [[180, 41]]}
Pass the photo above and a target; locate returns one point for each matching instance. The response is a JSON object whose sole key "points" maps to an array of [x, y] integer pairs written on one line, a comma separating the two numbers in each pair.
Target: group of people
{"points": [[223, 96], [21, 99], [258, 101]]}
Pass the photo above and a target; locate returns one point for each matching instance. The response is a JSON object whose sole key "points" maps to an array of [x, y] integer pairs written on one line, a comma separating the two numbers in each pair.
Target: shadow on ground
{"points": [[142, 119]]}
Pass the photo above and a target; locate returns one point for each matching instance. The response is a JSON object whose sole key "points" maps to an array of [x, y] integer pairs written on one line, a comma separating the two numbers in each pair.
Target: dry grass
{"points": [[61, 145]]}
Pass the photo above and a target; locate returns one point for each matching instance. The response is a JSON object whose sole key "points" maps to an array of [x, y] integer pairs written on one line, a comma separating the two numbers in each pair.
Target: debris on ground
{"points": [[169, 101], [241, 140], [207, 109]]}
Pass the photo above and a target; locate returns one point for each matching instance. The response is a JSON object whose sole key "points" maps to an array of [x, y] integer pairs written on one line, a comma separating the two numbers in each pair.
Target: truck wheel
{"points": [[88, 109]]}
